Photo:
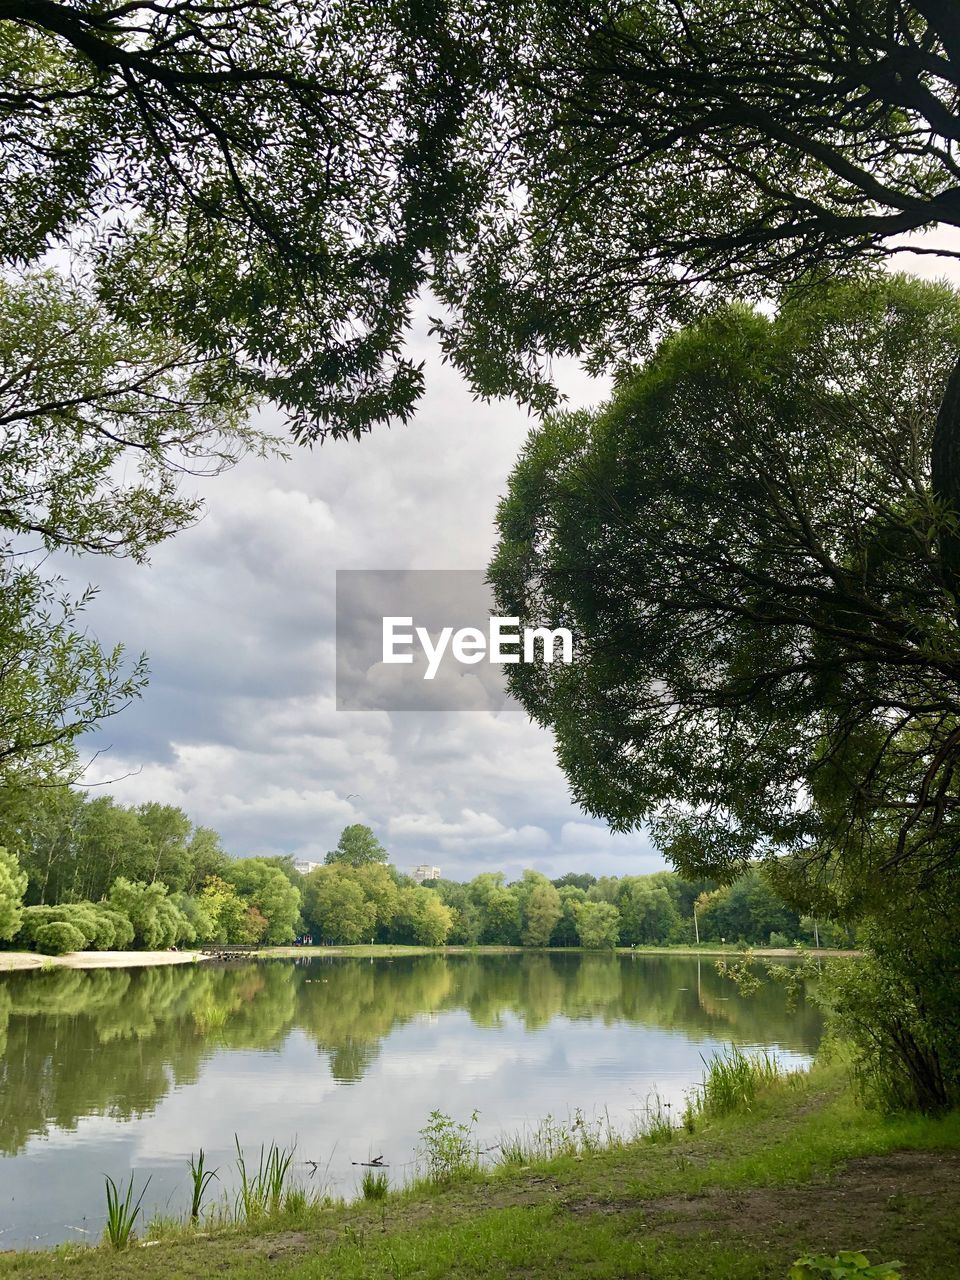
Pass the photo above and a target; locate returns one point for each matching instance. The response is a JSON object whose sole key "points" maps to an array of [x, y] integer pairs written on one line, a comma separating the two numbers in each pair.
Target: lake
{"points": [[135, 1069]]}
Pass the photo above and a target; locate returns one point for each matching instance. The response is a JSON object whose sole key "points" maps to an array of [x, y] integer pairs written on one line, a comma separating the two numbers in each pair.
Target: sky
{"points": [[239, 726]]}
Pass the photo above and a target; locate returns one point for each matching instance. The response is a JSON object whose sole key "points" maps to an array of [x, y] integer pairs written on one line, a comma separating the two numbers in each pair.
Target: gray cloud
{"points": [[237, 615]]}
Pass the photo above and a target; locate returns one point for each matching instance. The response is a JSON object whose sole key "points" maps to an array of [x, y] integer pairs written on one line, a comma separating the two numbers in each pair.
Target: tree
{"points": [[540, 909], [499, 908], [207, 857], [55, 682], [578, 879], [260, 182], [380, 889], [465, 928], [100, 419], [335, 907], [745, 543], [598, 925], [648, 916], [168, 831], [422, 918], [666, 155], [229, 914], [266, 889], [13, 884], [157, 924], [357, 847], [565, 933]]}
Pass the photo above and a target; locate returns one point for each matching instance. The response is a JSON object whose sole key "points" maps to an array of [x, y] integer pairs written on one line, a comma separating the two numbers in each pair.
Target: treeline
{"points": [[81, 873], [661, 909]]}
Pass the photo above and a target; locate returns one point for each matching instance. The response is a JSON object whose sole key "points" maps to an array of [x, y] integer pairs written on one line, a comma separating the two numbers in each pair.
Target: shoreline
{"points": [[397, 949], [803, 1168], [30, 961]]}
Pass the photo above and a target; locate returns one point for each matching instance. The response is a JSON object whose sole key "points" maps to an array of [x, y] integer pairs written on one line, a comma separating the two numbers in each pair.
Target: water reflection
{"points": [[160, 1060]]}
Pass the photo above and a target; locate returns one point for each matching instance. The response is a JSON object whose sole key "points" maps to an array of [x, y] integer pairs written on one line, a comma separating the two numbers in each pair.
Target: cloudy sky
{"points": [[239, 725]]}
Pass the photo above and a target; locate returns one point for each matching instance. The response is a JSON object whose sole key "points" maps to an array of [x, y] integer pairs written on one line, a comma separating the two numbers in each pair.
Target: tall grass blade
{"points": [[201, 1177], [122, 1211]]}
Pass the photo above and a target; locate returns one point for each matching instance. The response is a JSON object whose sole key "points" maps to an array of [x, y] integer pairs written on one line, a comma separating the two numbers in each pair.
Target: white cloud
{"points": [[237, 615]]}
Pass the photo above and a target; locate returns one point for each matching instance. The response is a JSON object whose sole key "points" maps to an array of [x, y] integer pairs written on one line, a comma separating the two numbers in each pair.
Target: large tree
{"points": [[563, 176], [745, 544], [258, 178], [652, 156], [357, 847]]}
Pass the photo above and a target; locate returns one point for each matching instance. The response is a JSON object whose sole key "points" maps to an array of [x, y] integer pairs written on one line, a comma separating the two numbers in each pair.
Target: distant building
{"points": [[306, 867], [422, 873]]}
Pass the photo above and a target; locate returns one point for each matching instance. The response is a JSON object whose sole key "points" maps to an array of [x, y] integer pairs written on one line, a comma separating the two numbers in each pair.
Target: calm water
{"points": [[104, 1072]]}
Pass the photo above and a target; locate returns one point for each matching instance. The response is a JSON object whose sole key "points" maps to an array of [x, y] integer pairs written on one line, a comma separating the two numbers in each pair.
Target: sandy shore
{"points": [[10, 960]]}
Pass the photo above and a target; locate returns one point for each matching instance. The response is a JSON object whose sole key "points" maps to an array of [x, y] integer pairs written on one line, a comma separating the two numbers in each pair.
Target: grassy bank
{"points": [[391, 949], [739, 1198], [12, 961]]}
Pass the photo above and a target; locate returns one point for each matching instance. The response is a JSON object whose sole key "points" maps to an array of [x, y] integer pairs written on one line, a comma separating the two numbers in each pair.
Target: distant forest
{"points": [[84, 873]]}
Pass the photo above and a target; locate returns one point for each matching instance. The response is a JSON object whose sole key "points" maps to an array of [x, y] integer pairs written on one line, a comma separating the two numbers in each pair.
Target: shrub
{"points": [[896, 1006], [57, 938], [98, 926], [448, 1149], [847, 1265], [122, 928]]}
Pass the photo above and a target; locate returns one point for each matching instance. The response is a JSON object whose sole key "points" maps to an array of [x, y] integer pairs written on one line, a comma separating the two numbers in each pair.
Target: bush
{"points": [[99, 927], [57, 938], [897, 1006], [122, 929]]}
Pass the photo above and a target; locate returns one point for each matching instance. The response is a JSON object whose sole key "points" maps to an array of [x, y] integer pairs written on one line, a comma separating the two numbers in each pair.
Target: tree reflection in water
{"points": [[113, 1043]]}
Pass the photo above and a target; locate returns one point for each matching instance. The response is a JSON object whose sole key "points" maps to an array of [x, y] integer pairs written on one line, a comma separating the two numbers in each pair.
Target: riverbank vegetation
{"points": [[94, 874], [805, 1170]]}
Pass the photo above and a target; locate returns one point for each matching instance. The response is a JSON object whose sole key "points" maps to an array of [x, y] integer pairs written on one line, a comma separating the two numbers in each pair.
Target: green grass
{"points": [[734, 1080], [374, 1184], [122, 1212], [262, 1190], [740, 1198], [200, 1179]]}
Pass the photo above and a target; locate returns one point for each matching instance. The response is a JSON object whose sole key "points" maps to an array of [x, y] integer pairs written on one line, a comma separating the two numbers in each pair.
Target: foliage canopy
{"points": [[746, 546]]}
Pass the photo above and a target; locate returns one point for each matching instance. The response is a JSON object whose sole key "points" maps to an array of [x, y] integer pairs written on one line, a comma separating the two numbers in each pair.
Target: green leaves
{"points": [[846, 1265], [744, 544], [13, 885]]}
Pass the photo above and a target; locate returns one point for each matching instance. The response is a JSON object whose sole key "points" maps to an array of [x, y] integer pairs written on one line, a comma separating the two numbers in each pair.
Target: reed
{"points": [[122, 1211], [374, 1184], [732, 1081], [200, 1177], [261, 1192]]}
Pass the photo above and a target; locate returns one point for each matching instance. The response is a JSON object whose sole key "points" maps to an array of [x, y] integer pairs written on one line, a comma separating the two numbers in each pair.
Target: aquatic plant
{"points": [[262, 1192], [201, 1177], [122, 1211], [374, 1183], [732, 1081]]}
